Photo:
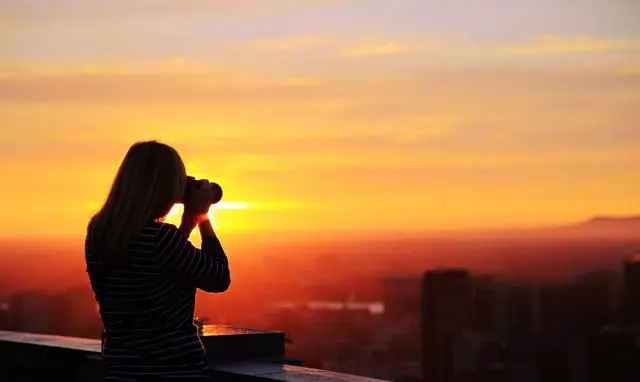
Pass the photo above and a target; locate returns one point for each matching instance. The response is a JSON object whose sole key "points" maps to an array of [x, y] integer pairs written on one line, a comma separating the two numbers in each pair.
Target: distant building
{"points": [[4, 315], [75, 313], [595, 299], [522, 312], [613, 355], [630, 304], [401, 296], [30, 311], [478, 357], [447, 297], [490, 306]]}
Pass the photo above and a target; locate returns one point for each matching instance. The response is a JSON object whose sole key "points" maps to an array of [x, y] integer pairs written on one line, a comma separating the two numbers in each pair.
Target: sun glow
{"points": [[230, 206], [175, 214]]}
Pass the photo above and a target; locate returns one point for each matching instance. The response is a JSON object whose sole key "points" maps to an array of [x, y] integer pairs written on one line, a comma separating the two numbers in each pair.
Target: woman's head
{"points": [[150, 180]]}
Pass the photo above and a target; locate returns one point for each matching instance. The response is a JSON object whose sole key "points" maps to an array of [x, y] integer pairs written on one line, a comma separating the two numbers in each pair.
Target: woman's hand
{"points": [[198, 200]]}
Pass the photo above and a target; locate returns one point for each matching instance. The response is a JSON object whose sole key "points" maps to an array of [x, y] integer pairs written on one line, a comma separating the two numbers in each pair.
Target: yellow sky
{"points": [[369, 125]]}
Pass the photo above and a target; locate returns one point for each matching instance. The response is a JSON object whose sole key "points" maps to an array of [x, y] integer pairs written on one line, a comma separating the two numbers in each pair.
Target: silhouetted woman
{"points": [[145, 273]]}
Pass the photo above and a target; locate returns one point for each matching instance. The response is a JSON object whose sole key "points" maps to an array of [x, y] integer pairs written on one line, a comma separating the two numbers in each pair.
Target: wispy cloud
{"points": [[36, 11], [381, 49], [350, 46], [175, 65], [453, 49], [555, 45], [301, 81], [292, 43], [502, 103], [546, 45], [632, 68]]}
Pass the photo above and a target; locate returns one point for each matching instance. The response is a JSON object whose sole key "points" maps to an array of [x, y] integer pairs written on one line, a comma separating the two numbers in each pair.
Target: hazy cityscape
{"points": [[540, 305]]}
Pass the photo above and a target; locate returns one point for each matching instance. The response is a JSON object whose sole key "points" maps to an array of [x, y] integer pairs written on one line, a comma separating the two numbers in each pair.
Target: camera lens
{"points": [[216, 193]]}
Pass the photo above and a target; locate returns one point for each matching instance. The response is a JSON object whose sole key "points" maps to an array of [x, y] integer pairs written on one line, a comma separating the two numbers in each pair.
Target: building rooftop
{"points": [[85, 345], [252, 355]]}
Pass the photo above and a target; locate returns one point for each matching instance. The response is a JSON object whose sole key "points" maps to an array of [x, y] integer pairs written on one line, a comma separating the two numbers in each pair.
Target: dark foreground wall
{"points": [[36, 357]]}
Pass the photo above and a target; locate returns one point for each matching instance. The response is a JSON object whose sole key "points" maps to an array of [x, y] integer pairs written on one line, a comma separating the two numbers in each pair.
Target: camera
{"points": [[215, 190]]}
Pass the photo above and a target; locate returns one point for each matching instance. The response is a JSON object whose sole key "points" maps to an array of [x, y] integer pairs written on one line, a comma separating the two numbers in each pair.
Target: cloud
{"points": [[466, 148], [451, 114], [350, 46], [555, 45], [153, 88], [178, 80], [292, 43], [446, 50], [630, 68], [301, 81], [38, 11], [416, 98], [377, 49], [510, 135], [170, 66]]}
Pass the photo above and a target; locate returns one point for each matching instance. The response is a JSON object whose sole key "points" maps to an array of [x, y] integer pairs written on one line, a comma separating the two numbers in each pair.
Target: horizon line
{"points": [[298, 233]]}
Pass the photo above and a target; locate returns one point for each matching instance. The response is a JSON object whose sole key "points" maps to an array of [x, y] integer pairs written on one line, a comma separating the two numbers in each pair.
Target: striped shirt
{"points": [[147, 303]]}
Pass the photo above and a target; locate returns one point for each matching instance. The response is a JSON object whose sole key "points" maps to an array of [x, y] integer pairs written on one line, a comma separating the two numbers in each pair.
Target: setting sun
{"points": [[230, 223]]}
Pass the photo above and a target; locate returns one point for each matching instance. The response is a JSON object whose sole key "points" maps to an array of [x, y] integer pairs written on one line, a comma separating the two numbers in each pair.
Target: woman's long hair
{"points": [[150, 180]]}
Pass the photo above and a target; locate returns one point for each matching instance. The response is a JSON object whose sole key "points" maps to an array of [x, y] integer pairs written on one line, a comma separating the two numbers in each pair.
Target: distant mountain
{"points": [[611, 222], [599, 227]]}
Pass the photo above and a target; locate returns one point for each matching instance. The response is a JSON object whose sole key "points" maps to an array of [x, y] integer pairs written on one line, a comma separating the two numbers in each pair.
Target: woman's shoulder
{"points": [[161, 234], [160, 229], [156, 232]]}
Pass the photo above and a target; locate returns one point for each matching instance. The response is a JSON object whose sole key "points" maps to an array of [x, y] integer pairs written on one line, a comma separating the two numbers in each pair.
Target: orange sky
{"points": [[352, 115]]}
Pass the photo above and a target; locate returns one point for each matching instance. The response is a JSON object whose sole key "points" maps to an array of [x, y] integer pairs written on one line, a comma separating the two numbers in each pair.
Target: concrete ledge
{"points": [[28, 356], [261, 371], [81, 345]]}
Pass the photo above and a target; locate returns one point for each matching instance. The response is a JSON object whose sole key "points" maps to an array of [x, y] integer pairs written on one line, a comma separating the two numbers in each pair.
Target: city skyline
{"points": [[327, 115]]}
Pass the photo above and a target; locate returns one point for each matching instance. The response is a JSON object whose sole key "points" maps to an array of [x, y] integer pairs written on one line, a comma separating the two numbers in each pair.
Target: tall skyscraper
{"points": [[490, 306], [447, 298]]}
